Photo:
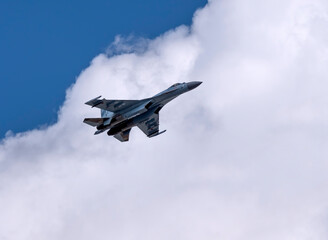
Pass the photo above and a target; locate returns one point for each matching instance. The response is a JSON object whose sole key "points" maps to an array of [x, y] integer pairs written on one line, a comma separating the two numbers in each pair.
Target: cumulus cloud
{"points": [[244, 157]]}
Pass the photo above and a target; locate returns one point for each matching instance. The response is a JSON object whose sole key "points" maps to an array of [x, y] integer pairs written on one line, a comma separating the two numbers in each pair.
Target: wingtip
{"points": [[92, 100], [156, 134]]}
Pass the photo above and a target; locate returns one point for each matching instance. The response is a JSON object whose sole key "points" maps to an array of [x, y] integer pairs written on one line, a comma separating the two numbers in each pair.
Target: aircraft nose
{"points": [[192, 85]]}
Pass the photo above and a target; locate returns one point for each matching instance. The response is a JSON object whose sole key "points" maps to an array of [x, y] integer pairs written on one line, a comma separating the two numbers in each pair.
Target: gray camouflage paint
{"points": [[119, 116]]}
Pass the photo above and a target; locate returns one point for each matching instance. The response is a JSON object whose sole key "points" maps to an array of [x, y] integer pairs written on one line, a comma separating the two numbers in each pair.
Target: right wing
{"points": [[111, 105], [151, 126]]}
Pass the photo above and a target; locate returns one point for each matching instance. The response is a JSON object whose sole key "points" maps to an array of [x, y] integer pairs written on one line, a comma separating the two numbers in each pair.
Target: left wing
{"points": [[111, 105], [151, 126]]}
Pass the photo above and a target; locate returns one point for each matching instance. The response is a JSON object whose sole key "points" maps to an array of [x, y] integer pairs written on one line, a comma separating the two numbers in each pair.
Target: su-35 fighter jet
{"points": [[119, 116]]}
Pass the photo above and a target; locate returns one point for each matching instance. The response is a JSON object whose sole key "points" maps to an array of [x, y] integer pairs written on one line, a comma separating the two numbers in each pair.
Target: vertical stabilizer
{"points": [[106, 114]]}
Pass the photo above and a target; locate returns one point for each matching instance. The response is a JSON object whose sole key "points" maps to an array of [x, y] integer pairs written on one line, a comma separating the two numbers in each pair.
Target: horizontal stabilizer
{"points": [[94, 122], [123, 136]]}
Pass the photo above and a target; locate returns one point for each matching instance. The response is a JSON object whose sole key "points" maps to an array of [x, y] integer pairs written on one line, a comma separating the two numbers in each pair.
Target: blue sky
{"points": [[45, 45], [245, 154]]}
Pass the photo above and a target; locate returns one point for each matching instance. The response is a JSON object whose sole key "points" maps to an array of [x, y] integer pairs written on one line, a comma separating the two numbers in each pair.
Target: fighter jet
{"points": [[119, 116]]}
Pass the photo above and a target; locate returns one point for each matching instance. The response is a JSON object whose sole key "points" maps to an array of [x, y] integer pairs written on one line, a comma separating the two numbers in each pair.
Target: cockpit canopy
{"points": [[176, 84]]}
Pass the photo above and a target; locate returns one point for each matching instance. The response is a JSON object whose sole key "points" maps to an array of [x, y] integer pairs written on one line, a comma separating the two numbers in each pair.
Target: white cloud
{"points": [[245, 155]]}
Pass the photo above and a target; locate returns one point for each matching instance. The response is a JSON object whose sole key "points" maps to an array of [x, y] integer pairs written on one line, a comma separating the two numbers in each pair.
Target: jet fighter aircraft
{"points": [[119, 116]]}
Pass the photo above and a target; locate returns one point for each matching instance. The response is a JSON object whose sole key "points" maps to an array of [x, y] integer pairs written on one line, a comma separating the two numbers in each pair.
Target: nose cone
{"points": [[192, 85]]}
